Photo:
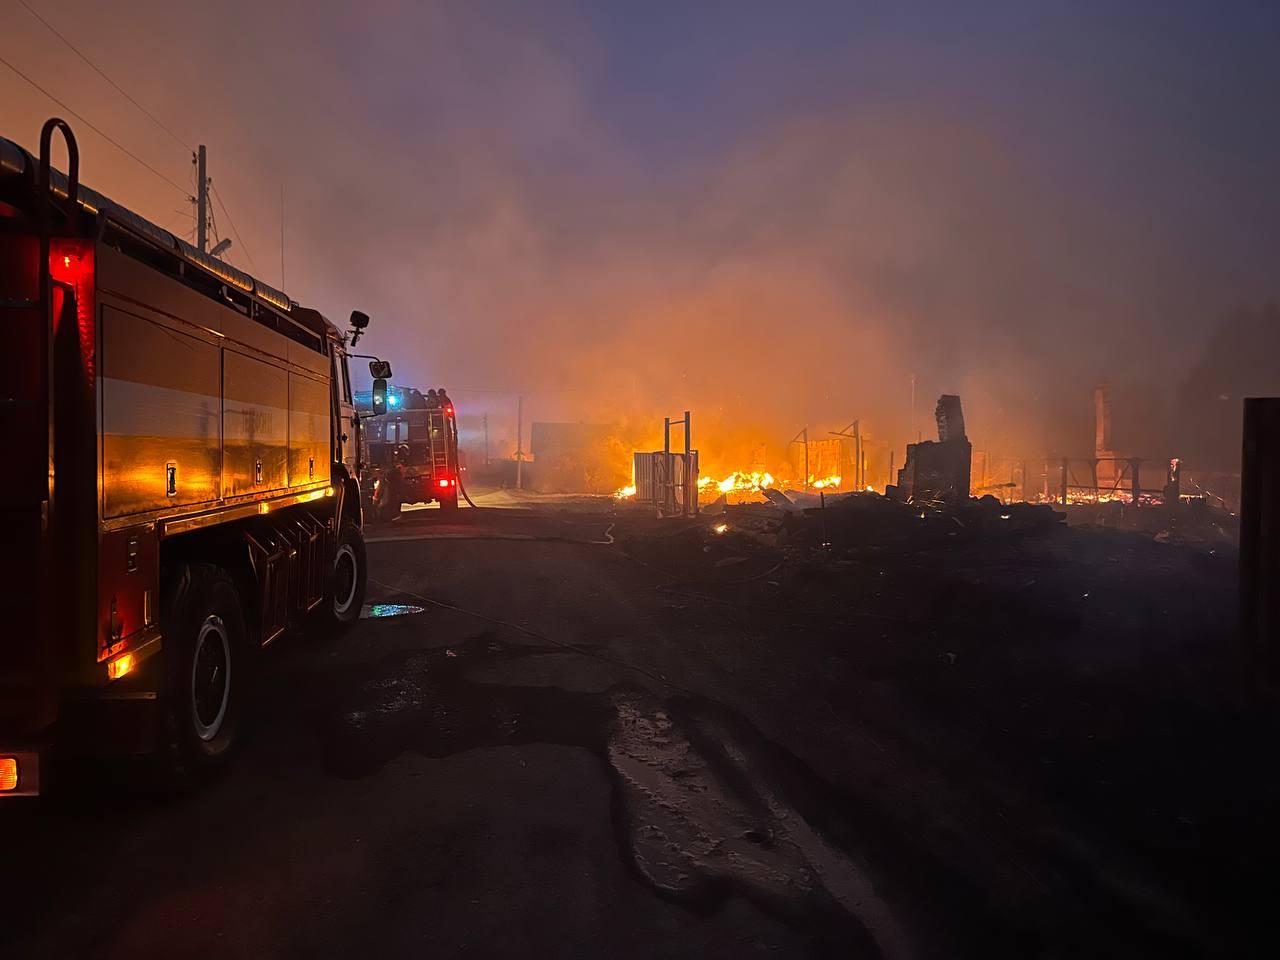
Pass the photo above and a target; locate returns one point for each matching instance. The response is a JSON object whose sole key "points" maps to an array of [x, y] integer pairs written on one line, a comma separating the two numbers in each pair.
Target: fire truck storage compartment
{"points": [[160, 412], [255, 425], [205, 395], [309, 413]]}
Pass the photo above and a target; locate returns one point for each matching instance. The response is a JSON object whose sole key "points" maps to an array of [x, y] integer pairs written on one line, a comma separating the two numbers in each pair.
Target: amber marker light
{"points": [[8, 774], [118, 667]]}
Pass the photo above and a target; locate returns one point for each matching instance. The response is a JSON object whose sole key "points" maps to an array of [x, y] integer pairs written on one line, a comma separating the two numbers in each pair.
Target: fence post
{"points": [[690, 475], [1064, 481], [1260, 534], [1134, 464]]}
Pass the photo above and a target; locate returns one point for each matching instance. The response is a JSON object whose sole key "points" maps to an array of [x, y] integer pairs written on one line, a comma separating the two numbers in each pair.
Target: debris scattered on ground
{"points": [[779, 499]]}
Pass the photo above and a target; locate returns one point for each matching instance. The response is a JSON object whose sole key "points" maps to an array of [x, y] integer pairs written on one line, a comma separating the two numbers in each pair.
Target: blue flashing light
{"points": [[393, 400]]}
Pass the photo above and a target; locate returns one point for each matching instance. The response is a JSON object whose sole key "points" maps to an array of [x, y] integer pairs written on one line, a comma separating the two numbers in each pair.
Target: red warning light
{"points": [[71, 264]]}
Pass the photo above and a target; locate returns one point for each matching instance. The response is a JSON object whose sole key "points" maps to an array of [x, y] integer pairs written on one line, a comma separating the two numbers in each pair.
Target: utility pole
{"points": [[486, 438], [202, 202], [520, 442]]}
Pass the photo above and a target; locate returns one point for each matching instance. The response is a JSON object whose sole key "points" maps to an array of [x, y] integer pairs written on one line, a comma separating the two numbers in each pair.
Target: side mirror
{"points": [[380, 369], [379, 396]]}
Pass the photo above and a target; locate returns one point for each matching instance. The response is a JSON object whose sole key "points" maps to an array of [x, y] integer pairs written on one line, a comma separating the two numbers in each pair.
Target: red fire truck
{"points": [[182, 479], [418, 434]]}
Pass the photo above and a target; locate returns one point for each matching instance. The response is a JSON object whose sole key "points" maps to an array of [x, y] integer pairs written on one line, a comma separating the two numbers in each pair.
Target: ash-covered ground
{"points": [[573, 729]]}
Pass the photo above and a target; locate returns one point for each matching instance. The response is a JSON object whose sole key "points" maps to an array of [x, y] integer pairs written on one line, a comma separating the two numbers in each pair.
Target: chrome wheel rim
{"points": [[210, 678], [345, 571]]}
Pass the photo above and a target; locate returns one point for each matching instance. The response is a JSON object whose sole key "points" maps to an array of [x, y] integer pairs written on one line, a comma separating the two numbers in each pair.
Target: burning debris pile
{"points": [[944, 474], [737, 482], [741, 483]]}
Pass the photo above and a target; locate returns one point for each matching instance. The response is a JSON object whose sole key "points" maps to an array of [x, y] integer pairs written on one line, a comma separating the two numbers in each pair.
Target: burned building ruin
{"points": [[937, 471]]}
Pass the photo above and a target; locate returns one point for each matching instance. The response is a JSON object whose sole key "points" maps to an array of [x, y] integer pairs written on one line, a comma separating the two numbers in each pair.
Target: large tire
{"points": [[208, 658], [348, 579]]}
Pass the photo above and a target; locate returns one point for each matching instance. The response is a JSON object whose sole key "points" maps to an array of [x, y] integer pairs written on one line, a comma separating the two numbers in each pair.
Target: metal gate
{"points": [[668, 482]]}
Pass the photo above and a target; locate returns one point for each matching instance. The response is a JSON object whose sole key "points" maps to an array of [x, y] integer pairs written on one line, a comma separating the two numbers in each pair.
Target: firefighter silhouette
{"points": [[391, 484]]}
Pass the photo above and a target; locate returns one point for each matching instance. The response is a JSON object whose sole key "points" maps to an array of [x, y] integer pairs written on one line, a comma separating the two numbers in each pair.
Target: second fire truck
{"points": [[417, 437]]}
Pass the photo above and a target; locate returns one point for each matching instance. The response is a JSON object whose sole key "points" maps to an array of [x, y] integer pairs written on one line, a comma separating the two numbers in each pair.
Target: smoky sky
{"points": [[773, 214]]}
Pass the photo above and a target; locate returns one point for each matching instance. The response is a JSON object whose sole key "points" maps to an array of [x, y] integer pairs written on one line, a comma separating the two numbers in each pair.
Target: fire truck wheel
{"points": [[209, 669], [348, 577]]}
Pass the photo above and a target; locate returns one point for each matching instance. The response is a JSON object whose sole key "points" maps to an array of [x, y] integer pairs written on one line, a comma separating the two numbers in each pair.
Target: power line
{"points": [[154, 119], [119, 89], [234, 231], [115, 143]]}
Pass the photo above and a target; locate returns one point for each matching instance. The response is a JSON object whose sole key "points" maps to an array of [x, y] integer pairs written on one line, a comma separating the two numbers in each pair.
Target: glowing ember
{"points": [[720, 527]]}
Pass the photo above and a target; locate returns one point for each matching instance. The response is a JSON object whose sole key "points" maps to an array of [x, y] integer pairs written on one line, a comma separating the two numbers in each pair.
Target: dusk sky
{"points": [[772, 213]]}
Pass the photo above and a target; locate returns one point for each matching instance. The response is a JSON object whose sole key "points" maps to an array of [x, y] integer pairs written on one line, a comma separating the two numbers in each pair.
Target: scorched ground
{"points": [[1000, 737]]}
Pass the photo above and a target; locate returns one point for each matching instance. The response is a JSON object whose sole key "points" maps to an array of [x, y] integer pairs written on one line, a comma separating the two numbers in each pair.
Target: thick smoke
{"points": [[480, 180]]}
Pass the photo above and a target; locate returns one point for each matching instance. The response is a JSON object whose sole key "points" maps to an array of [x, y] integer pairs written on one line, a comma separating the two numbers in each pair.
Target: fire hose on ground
{"points": [[463, 490]]}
